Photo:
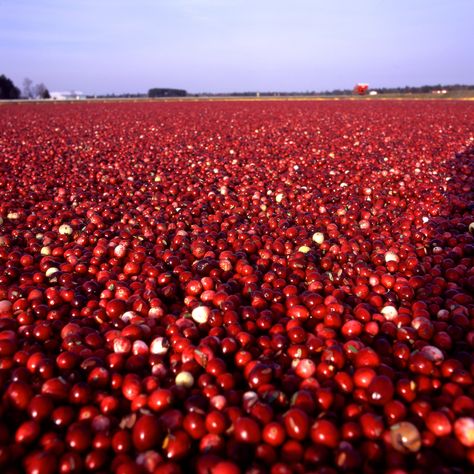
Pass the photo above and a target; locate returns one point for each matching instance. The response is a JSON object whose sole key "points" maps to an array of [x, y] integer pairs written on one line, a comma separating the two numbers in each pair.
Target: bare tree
{"points": [[27, 88], [41, 92]]}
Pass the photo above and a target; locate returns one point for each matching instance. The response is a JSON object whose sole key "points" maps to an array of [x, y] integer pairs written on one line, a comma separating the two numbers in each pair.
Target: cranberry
{"points": [[40, 407], [177, 445], [27, 432], [405, 437], [78, 437], [247, 430], [40, 463], [372, 425], [147, 432], [115, 308], [226, 467], [19, 393], [464, 431], [296, 423], [380, 390], [159, 399], [273, 434], [325, 432], [216, 422], [438, 423], [194, 424]]}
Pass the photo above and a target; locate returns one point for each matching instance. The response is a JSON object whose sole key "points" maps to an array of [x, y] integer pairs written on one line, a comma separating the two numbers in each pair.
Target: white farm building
{"points": [[69, 95]]}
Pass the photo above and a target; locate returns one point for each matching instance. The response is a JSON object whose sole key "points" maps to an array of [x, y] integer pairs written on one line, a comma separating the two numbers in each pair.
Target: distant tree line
{"points": [[9, 91], [166, 92], [126, 95], [423, 89], [155, 92], [337, 92]]}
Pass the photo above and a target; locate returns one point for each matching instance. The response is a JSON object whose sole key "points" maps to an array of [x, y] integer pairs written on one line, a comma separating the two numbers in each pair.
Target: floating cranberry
{"points": [[296, 423], [274, 434], [305, 368], [176, 445], [216, 422], [40, 463], [325, 432], [194, 424], [160, 399], [147, 432], [372, 425], [226, 467], [115, 308], [40, 407], [78, 437], [19, 393], [380, 390], [27, 432], [438, 423], [464, 431], [247, 430]]}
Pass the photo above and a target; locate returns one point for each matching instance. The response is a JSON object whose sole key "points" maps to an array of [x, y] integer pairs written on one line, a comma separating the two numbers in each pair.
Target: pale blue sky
{"points": [[100, 46]]}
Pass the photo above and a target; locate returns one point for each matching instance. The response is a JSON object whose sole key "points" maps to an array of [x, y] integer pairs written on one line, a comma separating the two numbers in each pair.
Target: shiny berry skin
{"points": [[19, 394], [247, 430], [147, 432], [395, 411], [71, 462], [464, 431], [40, 463], [160, 399], [371, 425], [176, 445], [115, 308], [194, 424], [57, 388], [305, 368], [325, 432], [380, 390], [78, 437], [40, 407], [296, 423], [438, 423], [63, 416], [27, 432], [274, 433], [96, 460], [298, 312], [364, 376], [225, 467], [121, 441], [216, 422], [367, 357]]}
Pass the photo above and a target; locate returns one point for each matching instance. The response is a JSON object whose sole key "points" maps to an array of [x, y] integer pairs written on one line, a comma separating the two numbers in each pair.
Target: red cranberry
{"points": [[247, 430], [296, 423], [380, 390], [147, 432], [326, 433]]}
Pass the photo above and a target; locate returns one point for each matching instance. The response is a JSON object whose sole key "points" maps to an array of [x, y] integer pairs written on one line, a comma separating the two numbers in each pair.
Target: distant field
{"points": [[457, 95]]}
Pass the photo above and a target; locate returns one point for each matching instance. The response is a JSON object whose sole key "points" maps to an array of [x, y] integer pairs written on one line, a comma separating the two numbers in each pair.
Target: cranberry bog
{"points": [[237, 287]]}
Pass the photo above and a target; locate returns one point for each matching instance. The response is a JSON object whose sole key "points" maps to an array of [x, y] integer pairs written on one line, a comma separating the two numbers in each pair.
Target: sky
{"points": [[119, 46]]}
